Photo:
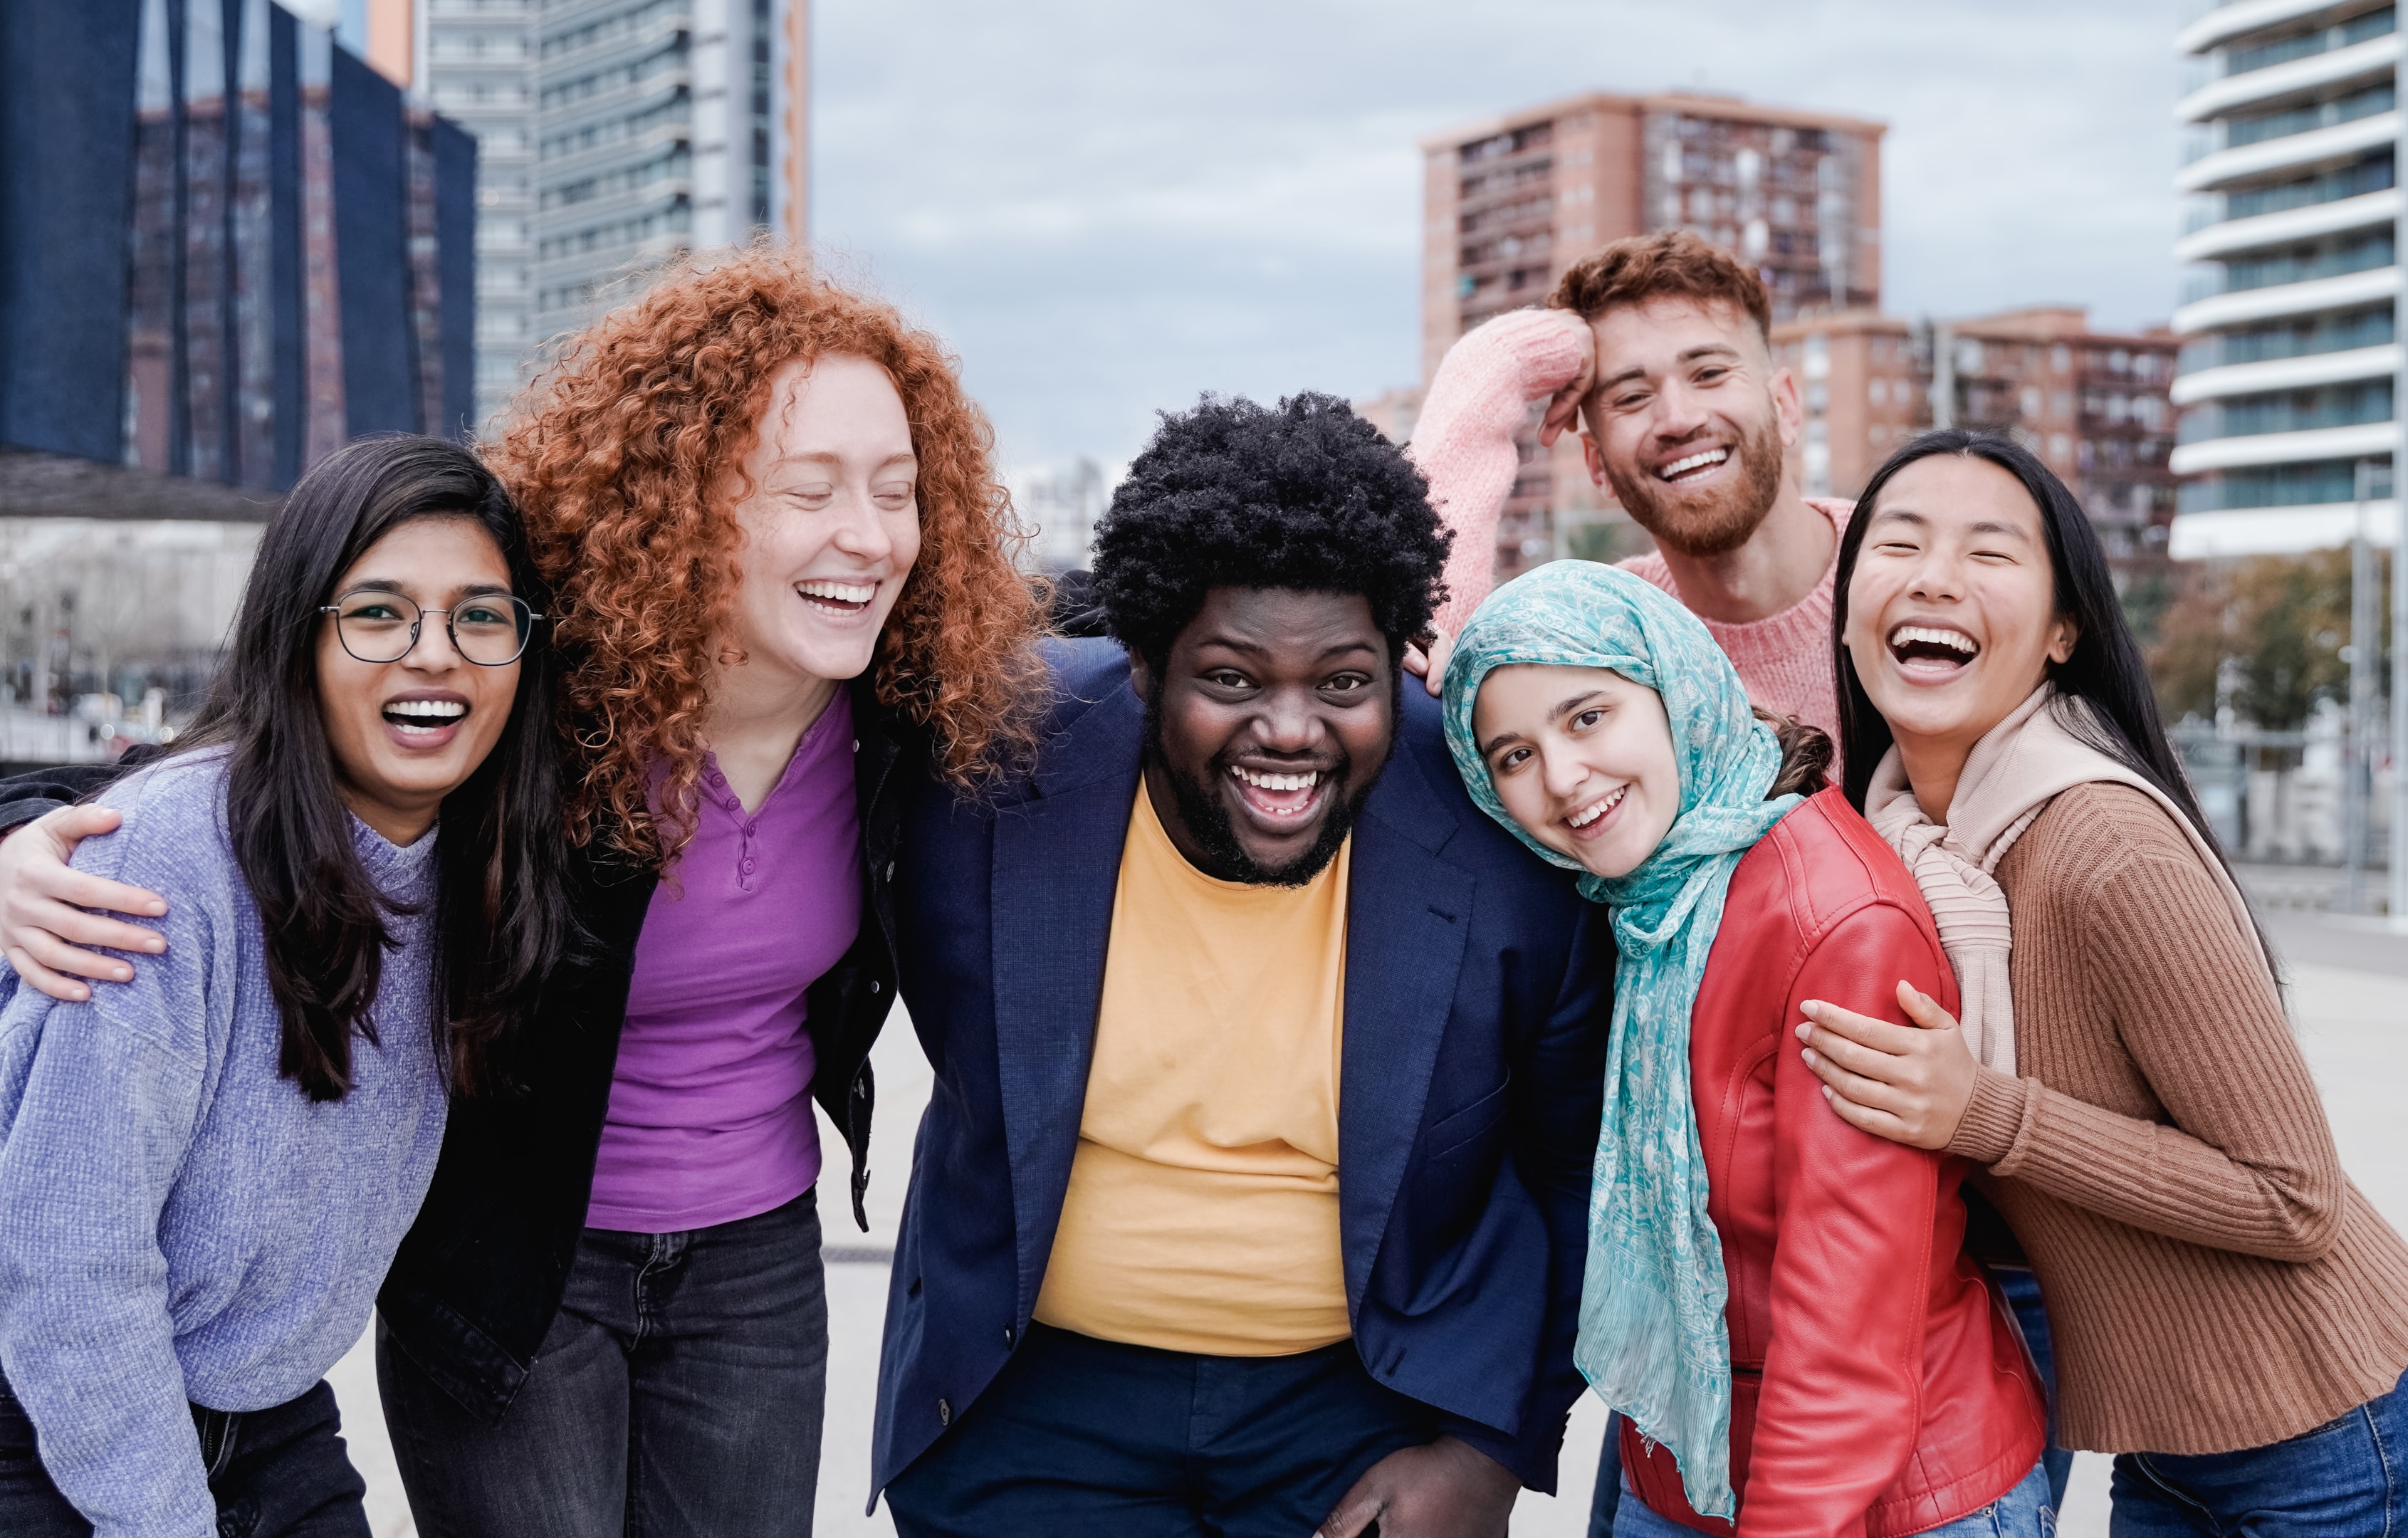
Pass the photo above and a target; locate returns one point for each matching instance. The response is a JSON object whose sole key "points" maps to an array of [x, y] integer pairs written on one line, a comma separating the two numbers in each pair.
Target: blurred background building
{"points": [[2094, 405], [1511, 202], [612, 135], [228, 246], [2287, 372]]}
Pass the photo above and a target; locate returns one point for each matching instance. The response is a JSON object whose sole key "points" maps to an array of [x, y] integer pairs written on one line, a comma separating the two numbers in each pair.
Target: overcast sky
{"points": [[1109, 206]]}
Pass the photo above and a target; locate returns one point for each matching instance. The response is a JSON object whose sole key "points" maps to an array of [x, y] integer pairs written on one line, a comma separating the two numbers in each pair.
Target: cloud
{"points": [[1109, 207]]}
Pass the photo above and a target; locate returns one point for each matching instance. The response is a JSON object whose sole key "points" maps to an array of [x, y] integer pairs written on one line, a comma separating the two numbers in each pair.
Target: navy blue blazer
{"points": [[1478, 990]]}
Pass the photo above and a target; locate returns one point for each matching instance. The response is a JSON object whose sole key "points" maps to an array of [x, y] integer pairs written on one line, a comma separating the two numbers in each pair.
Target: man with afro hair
{"points": [[1253, 1197]]}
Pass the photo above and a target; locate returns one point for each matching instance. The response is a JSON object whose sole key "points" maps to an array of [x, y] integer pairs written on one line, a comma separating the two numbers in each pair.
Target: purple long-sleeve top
{"points": [[711, 1107]]}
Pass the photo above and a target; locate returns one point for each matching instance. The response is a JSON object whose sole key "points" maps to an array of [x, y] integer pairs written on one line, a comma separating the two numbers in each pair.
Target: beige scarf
{"points": [[2013, 773]]}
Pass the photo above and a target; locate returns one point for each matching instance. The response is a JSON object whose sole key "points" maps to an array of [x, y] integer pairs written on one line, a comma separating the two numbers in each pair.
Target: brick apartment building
{"points": [[2093, 404], [1511, 202]]}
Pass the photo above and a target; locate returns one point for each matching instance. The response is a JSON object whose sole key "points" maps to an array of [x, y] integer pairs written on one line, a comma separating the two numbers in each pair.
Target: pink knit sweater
{"points": [[1463, 443]]}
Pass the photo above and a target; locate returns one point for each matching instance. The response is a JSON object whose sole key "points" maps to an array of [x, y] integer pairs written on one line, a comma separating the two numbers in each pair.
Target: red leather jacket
{"points": [[1879, 1385]]}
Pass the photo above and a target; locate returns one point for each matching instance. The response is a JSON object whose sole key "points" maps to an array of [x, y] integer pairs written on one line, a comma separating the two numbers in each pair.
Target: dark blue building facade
{"points": [[226, 247]]}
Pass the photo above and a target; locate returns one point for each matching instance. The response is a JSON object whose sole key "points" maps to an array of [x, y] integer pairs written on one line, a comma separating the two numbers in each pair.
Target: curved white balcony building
{"points": [[2286, 373]]}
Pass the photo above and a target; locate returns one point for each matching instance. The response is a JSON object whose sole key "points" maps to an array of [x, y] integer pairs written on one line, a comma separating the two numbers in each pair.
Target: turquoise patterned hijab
{"points": [[1652, 1340]]}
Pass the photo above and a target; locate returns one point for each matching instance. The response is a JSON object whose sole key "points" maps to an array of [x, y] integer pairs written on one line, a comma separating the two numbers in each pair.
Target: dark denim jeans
{"points": [[1081, 1438], [2348, 1478], [680, 1394], [280, 1473]]}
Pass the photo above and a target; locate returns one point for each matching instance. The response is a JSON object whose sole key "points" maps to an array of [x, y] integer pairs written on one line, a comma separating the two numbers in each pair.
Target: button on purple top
{"points": [[710, 1109]]}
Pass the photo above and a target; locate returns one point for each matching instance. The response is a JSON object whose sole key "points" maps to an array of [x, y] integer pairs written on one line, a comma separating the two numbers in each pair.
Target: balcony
{"points": [[2221, 24], [2347, 291], [2290, 227], [2375, 57], [2225, 454], [2343, 141], [2300, 373], [2280, 413]]}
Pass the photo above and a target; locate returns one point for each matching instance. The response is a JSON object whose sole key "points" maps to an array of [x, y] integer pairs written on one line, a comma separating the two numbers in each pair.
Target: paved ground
{"points": [[2347, 993]]}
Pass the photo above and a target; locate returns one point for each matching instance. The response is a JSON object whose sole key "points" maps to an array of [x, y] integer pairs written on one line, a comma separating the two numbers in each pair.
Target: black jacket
{"points": [[479, 1275]]}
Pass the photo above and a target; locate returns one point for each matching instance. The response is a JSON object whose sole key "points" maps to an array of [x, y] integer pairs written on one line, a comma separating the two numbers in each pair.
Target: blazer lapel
{"points": [[1408, 914], [1056, 867]]}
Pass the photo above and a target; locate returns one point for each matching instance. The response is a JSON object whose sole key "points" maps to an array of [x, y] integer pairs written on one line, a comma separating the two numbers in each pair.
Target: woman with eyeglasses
{"points": [[784, 594], [205, 1172]]}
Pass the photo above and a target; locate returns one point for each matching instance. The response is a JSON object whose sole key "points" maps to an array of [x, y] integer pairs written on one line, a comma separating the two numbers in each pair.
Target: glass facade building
{"points": [[226, 247], [2290, 346]]}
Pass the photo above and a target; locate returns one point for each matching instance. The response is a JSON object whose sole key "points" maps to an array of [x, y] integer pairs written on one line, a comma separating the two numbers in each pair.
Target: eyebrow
{"points": [[1257, 649], [470, 590], [830, 456], [1984, 525], [1704, 350], [1560, 711]]}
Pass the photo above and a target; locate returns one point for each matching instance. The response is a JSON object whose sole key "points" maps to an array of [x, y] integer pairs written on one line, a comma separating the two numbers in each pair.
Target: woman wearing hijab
{"points": [[1777, 1304]]}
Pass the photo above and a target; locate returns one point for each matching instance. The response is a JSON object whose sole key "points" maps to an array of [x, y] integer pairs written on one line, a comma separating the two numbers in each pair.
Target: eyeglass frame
{"points": [[451, 631]]}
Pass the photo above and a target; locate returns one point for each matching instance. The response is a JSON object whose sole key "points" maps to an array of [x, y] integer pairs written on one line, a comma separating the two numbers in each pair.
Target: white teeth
{"points": [[1582, 818], [1277, 781], [433, 710], [838, 592], [1955, 640], [1682, 467]]}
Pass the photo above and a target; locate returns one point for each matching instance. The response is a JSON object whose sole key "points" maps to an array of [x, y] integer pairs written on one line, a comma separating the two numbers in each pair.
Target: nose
{"points": [[861, 531], [1561, 771], [1937, 577], [1289, 722], [1679, 412], [433, 652]]}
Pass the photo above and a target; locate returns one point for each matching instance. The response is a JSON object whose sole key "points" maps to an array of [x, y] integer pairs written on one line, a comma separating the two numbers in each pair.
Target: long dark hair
{"points": [[2105, 671], [502, 907]]}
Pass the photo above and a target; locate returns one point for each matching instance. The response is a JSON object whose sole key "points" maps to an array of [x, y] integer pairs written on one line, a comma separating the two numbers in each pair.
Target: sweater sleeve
{"points": [[2245, 1160], [99, 1104], [1463, 441], [1841, 1402]]}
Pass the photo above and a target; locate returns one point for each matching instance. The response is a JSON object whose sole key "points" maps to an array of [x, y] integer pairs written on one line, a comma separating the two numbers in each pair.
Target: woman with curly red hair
{"points": [[783, 588]]}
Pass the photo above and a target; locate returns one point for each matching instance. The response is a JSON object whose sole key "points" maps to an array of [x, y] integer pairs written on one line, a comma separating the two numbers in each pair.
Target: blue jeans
{"points": [[2348, 1478], [2023, 1512], [680, 1391], [280, 1473], [1082, 1438]]}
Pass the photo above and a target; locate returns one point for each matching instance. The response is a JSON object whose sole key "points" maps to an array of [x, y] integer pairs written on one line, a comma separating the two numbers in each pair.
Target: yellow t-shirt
{"points": [[1202, 1212]]}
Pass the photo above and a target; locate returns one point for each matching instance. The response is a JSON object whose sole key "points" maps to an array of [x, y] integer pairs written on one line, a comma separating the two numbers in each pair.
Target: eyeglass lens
{"points": [[489, 631]]}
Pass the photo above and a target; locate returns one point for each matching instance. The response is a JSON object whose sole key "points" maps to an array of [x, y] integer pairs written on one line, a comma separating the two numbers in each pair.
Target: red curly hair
{"points": [[620, 455]]}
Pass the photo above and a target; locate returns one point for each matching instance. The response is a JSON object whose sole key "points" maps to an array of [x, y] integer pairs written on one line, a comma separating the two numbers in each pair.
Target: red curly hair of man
{"points": [[619, 455]]}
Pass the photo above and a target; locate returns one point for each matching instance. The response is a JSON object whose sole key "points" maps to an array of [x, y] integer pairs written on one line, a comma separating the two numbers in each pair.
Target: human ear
{"points": [[1141, 674], [1594, 458], [2061, 641]]}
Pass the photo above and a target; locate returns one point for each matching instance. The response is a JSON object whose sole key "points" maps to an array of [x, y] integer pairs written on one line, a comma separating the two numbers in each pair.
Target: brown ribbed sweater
{"points": [[2214, 1280]]}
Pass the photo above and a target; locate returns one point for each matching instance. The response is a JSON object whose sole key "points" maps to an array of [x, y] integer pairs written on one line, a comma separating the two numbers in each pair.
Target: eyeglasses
{"points": [[490, 630]]}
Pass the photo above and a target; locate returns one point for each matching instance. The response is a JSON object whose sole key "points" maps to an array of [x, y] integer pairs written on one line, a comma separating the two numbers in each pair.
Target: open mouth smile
{"points": [[423, 723], [1280, 795], [1692, 466], [843, 600], [1590, 820], [1933, 651]]}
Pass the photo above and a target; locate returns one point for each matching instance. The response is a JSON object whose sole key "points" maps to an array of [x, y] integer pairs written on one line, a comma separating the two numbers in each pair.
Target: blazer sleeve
{"points": [[1558, 1103], [1842, 1397], [26, 796]]}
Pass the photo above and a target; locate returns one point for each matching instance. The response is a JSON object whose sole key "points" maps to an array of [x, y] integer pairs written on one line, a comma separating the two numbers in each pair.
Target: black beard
{"points": [[1208, 821]]}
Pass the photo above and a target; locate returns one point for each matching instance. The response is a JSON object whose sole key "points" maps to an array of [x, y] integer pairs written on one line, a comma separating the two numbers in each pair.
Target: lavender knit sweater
{"points": [[177, 1222]]}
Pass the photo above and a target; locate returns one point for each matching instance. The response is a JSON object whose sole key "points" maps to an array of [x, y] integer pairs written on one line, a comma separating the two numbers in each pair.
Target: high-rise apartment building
{"points": [[661, 125], [610, 135], [2094, 405], [2287, 376], [1510, 203]]}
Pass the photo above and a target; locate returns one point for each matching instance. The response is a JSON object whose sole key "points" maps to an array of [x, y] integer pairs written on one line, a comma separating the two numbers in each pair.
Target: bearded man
{"points": [[1659, 347]]}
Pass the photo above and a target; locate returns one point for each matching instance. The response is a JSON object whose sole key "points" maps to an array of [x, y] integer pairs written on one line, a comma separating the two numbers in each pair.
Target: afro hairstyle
{"points": [[1233, 494]]}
